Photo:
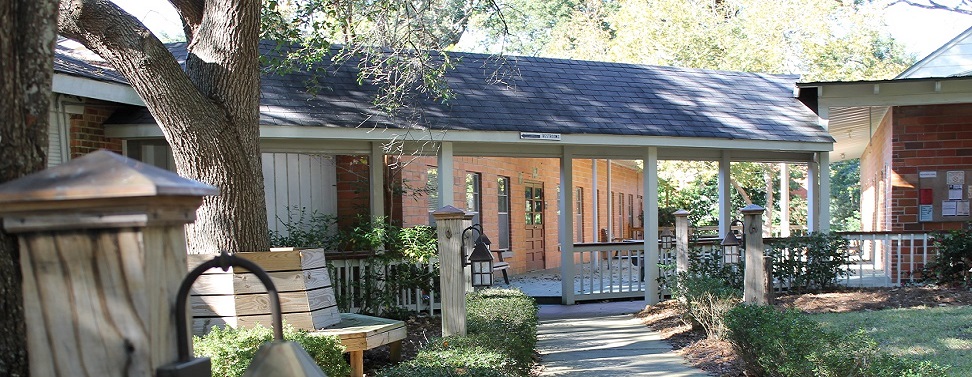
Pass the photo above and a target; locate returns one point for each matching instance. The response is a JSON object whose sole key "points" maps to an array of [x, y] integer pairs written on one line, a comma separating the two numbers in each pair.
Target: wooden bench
{"points": [[360, 332]]}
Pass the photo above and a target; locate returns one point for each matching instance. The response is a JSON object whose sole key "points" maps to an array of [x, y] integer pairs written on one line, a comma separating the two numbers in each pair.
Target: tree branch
{"points": [[191, 12], [138, 55], [963, 7]]}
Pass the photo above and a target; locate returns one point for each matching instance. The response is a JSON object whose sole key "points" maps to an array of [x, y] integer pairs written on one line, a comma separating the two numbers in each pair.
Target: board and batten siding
{"points": [[292, 181], [295, 182]]}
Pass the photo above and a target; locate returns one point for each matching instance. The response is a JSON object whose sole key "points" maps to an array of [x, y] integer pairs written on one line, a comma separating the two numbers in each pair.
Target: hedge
{"points": [[502, 334]]}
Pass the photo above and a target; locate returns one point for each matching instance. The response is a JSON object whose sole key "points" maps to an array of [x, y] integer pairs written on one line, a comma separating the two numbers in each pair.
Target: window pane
{"points": [[538, 218], [529, 219], [538, 193]]}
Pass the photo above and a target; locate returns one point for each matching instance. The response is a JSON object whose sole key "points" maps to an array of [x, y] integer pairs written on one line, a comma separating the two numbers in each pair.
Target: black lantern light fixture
{"points": [[278, 358], [730, 244], [667, 238], [481, 260]]}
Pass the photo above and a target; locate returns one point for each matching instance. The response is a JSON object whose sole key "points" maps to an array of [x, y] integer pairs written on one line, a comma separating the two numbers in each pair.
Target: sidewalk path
{"points": [[604, 339]]}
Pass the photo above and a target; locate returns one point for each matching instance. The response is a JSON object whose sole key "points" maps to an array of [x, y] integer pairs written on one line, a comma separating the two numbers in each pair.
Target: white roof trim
{"points": [[945, 47], [101, 90]]}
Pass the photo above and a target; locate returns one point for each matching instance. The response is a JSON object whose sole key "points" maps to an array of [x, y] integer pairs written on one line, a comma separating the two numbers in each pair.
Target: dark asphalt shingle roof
{"points": [[548, 95]]}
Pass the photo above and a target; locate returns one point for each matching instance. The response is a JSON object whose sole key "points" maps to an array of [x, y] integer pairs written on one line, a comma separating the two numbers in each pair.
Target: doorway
{"points": [[533, 229]]}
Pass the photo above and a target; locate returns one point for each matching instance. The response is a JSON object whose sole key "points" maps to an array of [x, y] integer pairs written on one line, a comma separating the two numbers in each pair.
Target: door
{"points": [[533, 229]]}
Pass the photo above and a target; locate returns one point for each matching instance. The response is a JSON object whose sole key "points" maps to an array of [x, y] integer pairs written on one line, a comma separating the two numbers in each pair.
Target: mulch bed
{"points": [[420, 329], [719, 359]]}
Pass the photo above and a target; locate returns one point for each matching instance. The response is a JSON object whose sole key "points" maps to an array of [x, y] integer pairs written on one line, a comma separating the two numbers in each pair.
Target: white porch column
{"points": [[376, 170], [610, 213], [650, 206], [725, 198], [566, 226], [447, 177], [813, 196], [784, 200], [594, 204], [824, 216]]}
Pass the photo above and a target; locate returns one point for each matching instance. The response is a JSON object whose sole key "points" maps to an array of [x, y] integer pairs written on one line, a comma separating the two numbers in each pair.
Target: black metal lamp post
{"points": [[278, 358], [481, 260]]}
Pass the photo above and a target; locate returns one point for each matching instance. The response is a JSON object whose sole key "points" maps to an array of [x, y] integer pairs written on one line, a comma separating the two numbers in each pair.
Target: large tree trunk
{"points": [[27, 35], [209, 113]]}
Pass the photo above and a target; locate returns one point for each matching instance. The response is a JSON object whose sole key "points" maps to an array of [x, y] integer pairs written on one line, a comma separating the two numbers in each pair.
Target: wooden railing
{"points": [[348, 274]]}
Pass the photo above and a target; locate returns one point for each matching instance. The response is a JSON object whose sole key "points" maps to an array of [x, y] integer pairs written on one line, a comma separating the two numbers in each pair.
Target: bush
{"points": [[704, 300], [507, 318], [953, 260], [790, 344], [502, 334], [314, 230], [810, 263], [771, 342], [232, 350]]}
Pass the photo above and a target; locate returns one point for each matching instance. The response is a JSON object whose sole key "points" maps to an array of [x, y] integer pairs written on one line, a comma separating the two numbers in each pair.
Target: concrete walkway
{"points": [[604, 339]]}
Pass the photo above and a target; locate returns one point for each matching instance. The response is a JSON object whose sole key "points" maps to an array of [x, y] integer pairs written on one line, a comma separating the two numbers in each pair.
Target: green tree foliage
{"points": [[845, 195], [821, 39]]}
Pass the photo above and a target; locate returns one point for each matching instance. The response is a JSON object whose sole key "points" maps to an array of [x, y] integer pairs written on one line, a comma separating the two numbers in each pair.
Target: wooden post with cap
{"points": [[681, 240], [102, 252], [448, 224], [756, 273]]}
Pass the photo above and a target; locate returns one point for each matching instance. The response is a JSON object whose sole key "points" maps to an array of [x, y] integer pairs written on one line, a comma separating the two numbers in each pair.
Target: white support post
{"points": [[447, 175], [784, 200], [725, 198], [813, 196], [610, 196], [566, 227], [594, 204], [824, 194], [650, 206], [376, 170], [448, 224]]}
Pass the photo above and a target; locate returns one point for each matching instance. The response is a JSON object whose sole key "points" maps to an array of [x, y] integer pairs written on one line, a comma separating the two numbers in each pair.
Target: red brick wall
{"points": [[926, 138], [352, 189], [520, 170], [87, 131]]}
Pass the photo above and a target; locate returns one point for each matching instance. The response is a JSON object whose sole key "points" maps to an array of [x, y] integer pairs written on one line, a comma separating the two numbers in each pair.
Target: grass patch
{"points": [[940, 335]]}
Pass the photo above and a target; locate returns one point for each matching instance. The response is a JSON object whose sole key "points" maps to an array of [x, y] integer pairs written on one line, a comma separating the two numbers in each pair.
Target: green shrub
{"points": [[418, 243], [314, 230], [457, 356], [232, 350], [507, 318], [790, 344], [953, 260], [502, 334], [810, 263], [704, 300], [772, 342]]}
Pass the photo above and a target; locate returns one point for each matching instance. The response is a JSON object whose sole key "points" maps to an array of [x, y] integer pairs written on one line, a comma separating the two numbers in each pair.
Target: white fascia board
{"points": [[510, 137], [100, 90], [483, 143], [896, 93]]}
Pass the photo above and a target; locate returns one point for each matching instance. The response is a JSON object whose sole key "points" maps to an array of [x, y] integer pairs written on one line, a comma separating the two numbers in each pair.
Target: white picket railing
{"points": [[347, 275], [887, 258]]}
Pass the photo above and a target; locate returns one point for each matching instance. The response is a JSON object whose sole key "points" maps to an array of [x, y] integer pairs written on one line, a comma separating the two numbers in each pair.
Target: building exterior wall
{"points": [[626, 181], [926, 138], [875, 164], [87, 130]]}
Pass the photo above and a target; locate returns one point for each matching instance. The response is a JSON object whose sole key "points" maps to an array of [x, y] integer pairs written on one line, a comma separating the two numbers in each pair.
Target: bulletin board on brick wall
{"points": [[944, 195]]}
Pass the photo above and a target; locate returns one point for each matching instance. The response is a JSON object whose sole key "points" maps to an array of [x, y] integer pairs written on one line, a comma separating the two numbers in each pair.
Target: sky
{"points": [[921, 31]]}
